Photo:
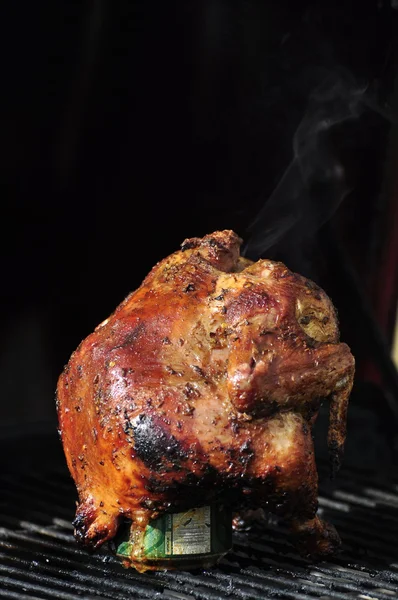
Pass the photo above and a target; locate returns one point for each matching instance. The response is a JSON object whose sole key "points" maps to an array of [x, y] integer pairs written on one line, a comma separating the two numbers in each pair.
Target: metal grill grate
{"points": [[40, 559]]}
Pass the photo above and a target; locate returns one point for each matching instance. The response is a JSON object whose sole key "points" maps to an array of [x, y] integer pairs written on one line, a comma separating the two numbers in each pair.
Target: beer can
{"points": [[195, 538]]}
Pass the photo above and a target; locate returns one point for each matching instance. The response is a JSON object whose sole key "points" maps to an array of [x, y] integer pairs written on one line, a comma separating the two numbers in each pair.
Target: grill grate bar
{"points": [[382, 496], [354, 499], [332, 504]]}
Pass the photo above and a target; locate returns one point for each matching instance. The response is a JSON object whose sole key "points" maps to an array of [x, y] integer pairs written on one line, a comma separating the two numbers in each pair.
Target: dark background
{"points": [[129, 126]]}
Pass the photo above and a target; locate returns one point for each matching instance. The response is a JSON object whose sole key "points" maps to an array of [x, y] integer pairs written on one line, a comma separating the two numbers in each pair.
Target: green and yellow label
{"points": [[197, 531]]}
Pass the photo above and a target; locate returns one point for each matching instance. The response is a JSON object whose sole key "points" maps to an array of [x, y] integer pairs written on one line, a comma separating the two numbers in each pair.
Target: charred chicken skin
{"points": [[202, 386]]}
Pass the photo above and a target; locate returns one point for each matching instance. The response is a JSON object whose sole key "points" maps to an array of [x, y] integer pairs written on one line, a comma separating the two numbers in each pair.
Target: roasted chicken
{"points": [[203, 386]]}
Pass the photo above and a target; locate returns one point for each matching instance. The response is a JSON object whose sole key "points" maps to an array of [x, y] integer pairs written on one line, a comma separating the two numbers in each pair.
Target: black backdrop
{"points": [[129, 126]]}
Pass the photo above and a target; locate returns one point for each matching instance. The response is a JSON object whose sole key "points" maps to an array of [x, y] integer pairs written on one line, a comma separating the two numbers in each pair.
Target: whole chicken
{"points": [[202, 386]]}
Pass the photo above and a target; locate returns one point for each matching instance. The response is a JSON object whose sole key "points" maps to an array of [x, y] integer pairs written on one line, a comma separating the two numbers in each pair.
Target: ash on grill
{"points": [[39, 557]]}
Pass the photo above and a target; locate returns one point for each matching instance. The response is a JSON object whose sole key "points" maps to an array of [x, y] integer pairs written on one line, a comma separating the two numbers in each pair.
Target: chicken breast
{"points": [[203, 386]]}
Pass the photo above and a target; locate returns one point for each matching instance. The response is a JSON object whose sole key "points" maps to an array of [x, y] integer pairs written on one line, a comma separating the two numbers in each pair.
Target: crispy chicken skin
{"points": [[204, 385]]}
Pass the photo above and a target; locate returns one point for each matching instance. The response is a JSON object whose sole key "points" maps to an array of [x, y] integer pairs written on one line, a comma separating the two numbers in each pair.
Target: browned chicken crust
{"points": [[202, 386]]}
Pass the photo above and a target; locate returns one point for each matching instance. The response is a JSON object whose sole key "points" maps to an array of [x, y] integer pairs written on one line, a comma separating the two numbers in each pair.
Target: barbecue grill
{"points": [[229, 84], [39, 557]]}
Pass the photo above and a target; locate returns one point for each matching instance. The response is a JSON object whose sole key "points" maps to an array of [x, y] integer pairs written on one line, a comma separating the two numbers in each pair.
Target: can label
{"points": [[197, 531], [188, 532]]}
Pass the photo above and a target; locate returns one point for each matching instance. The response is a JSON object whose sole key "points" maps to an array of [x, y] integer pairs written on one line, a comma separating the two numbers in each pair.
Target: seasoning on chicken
{"points": [[203, 387]]}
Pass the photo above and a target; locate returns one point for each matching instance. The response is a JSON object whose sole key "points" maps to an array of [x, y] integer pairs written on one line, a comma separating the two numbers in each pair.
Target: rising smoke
{"points": [[314, 184]]}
